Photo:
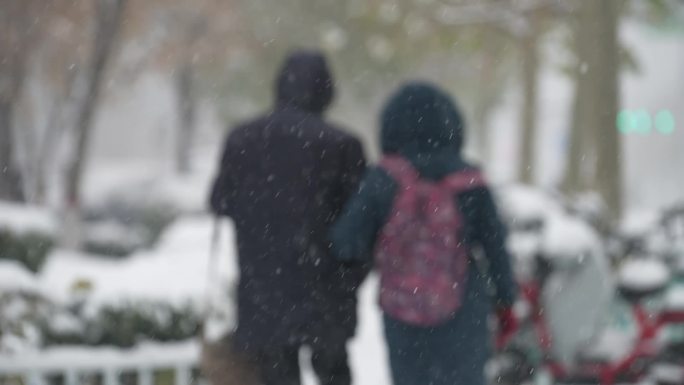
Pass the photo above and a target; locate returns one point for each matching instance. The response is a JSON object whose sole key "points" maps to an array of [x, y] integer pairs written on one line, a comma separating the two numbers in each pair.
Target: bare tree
{"points": [[594, 156], [608, 170], [17, 32], [582, 149], [183, 39], [185, 89], [107, 22], [528, 117], [493, 72]]}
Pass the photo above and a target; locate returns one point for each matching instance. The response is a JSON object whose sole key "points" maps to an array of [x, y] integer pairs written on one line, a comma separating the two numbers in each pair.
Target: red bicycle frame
{"points": [[607, 373]]}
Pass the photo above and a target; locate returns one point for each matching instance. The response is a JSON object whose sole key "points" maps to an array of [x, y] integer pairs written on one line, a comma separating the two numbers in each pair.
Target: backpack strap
{"points": [[400, 169], [464, 180]]}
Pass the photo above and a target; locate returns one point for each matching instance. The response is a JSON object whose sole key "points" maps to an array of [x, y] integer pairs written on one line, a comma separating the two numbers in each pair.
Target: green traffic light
{"points": [[640, 122], [664, 122], [625, 122], [643, 122]]}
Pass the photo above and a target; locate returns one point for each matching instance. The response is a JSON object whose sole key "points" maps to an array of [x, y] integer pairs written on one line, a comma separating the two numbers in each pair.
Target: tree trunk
{"points": [[581, 146], [107, 23], [10, 177], [528, 122], [186, 123], [594, 134], [45, 156], [16, 38], [608, 175], [487, 94]]}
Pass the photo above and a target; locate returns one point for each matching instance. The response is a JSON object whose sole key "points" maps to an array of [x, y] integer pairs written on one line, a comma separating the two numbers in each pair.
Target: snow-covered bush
{"points": [[124, 325], [26, 234], [158, 295], [116, 302], [135, 214], [119, 226], [590, 207], [554, 244], [22, 309], [522, 206], [568, 240], [29, 249], [128, 324], [114, 238], [526, 211]]}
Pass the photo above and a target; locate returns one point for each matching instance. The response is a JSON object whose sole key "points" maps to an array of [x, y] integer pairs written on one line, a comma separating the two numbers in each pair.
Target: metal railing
{"points": [[166, 364]]}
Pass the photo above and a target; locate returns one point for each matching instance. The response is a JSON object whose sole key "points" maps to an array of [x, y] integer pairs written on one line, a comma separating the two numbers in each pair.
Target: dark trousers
{"points": [[281, 366]]}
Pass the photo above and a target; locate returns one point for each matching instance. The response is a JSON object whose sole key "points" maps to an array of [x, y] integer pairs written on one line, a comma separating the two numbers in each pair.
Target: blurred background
{"points": [[112, 113]]}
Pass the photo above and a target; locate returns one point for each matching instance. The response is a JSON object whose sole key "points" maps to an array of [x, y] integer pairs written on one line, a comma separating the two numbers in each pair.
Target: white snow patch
{"points": [[589, 204], [665, 373], [14, 277], [137, 184], [611, 345], [569, 240], [523, 247], [643, 275], [674, 299], [65, 323], [90, 358], [368, 353], [638, 223], [112, 232], [520, 203], [176, 273], [24, 219]]}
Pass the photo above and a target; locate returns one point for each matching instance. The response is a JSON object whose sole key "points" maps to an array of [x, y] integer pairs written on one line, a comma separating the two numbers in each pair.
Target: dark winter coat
{"points": [[422, 124], [283, 179]]}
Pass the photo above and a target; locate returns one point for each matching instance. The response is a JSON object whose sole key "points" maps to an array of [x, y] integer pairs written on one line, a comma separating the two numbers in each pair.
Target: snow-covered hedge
{"points": [[134, 212], [523, 205], [114, 238], [26, 234], [123, 326], [157, 295], [22, 309], [546, 225], [118, 227]]}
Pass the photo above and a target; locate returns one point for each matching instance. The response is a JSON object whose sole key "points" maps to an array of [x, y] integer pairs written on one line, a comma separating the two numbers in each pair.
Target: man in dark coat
{"points": [[283, 179]]}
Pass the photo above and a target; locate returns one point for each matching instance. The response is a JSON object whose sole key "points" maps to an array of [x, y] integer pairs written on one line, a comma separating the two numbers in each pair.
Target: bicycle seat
{"points": [[642, 278]]}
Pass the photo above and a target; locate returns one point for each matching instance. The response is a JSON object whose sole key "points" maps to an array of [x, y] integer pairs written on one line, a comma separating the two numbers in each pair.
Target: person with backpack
{"points": [[426, 216], [284, 177]]}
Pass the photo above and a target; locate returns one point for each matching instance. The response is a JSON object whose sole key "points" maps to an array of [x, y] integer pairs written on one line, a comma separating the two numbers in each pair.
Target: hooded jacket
{"points": [[422, 124], [284, 178]]}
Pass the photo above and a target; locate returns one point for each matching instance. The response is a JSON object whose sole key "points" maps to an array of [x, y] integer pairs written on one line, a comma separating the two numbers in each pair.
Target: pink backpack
{"points": [[421, 253]]}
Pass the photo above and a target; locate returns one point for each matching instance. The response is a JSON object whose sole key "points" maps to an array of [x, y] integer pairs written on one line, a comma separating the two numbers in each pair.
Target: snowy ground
{"points": [[25, 219]]}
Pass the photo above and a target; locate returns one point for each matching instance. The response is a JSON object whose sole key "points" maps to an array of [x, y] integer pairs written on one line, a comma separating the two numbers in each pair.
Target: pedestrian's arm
{"points": [[224, 188], [353, 236], [491, 234], [352, 170]]}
